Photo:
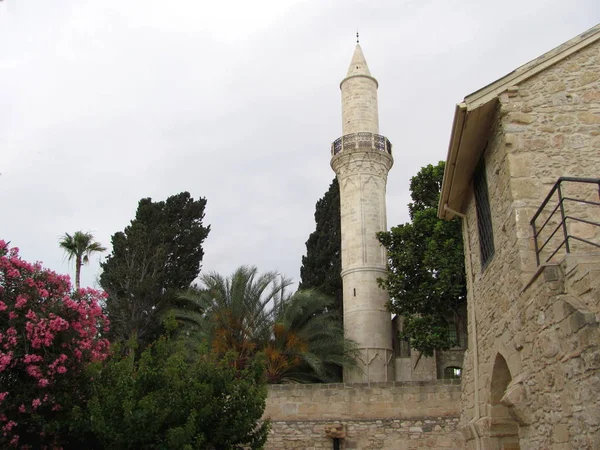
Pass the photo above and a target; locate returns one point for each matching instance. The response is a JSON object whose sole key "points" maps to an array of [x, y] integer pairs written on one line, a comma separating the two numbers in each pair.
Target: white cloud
{"points": [[104, 103]]}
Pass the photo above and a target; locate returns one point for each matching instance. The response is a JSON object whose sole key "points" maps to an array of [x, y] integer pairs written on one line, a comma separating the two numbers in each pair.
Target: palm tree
{"points": [[79, 246], [307, 343], [249, 313]]}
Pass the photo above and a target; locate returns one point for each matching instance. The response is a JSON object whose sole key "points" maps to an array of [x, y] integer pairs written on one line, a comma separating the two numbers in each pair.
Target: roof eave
{"points": [[532, 68], [470, 134], [473, 119], [449, 170]]}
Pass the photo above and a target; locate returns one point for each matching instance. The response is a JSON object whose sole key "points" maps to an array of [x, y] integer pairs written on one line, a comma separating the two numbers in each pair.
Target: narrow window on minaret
{"points": [[355, 292]]}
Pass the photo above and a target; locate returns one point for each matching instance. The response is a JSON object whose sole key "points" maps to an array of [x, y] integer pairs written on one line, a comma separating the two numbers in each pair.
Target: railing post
{"points": [[535, 243], [562, 216]]}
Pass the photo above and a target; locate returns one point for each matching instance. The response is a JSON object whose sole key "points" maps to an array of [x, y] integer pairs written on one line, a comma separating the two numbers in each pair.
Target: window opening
{"points": [[484, 215], [452, 333], [452, 372]]}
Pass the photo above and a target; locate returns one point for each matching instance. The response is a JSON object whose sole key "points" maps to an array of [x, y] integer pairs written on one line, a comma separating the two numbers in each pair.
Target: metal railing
{"points": [[564, 215], [369, 141]]}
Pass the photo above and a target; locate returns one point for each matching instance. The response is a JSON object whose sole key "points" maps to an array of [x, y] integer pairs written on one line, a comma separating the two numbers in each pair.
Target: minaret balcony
{"points": [[361, 141]]}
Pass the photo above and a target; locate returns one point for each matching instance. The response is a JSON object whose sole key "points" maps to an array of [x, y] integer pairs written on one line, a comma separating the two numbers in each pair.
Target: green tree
{"points": [[248, 313], [157, 255], [306, 344], [80, 247], [426, 274], [167, 399], [322, 264]]}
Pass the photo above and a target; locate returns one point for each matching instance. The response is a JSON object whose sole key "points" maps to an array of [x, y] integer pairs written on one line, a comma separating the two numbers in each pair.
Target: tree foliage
{"points": [[47, 336], [167, 399], [322, 264], [426, 274], [80, 247], [246, 313], [306, 342], [158, 254]]}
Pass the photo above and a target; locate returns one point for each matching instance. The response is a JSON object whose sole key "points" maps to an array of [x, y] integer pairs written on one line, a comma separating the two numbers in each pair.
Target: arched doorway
{"points": [[504, 430]]}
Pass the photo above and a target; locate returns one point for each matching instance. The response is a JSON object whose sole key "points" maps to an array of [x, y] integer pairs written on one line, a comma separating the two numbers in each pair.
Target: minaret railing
{"points": [[362, 141]]}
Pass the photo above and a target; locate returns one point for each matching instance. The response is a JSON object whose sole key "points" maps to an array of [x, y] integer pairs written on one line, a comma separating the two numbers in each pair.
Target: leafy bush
{"points": [[47, 337], [169, 399]]}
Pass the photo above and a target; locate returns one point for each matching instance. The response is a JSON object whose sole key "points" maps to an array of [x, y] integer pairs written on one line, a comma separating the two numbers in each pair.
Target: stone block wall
{"points": [[550, 343], [449, 358], [359, 105], [362, 176], [551, 128], [384, 434], [532, 381], [375, 416]]}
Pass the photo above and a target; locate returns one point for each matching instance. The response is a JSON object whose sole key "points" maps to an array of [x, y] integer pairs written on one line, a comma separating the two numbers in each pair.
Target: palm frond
{"points": [[249, 312]]}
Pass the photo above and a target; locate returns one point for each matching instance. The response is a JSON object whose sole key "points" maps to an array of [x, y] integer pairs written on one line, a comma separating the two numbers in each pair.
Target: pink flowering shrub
{"points": [[48, 335]]}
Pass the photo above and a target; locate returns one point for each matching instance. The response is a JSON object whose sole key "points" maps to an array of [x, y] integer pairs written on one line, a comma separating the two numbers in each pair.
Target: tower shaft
{"points": [[361, 159]]}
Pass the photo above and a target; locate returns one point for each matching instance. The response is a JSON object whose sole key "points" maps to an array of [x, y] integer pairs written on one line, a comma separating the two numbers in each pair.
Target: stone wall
{"points": [[537, 380], [384, 434], [412, 366], [449, 358], [550, 342], [375, 416], [362, 177], [552, 129]]}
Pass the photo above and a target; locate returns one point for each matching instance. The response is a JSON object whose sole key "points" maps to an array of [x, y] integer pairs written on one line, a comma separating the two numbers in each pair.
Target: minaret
{"points": [[361, 159]]}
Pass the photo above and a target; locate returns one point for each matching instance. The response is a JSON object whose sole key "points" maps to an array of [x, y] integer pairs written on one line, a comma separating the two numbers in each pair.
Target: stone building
{"points": [[523, 173]]}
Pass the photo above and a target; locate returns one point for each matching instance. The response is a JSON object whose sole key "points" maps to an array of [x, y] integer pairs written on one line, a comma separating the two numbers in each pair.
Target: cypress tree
{"points": [[322, 264]]}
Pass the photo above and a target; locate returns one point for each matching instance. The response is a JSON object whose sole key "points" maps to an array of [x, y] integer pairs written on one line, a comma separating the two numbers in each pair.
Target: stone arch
{"points": [[504, 430], [512, 358]]}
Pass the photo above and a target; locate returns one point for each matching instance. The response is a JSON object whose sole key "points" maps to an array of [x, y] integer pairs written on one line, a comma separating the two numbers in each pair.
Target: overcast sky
{"points": [[105, 102]]}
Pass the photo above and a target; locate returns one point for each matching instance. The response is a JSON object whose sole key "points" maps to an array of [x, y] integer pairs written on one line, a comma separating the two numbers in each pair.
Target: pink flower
{"points": [[34, 371], [5, 360], [46, 334], [9, 426], [59, 324], [28, 358], [21, 301]]}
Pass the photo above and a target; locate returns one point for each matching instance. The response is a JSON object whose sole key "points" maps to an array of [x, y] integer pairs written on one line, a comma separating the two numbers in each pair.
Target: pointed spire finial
{"points": [[357, 36]]}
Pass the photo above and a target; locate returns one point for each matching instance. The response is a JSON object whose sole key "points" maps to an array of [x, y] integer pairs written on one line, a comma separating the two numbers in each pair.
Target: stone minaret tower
{"points": [[361, 159]]}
